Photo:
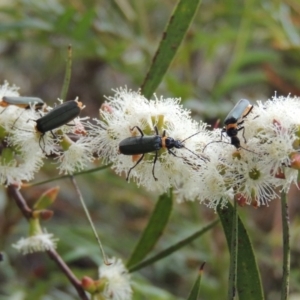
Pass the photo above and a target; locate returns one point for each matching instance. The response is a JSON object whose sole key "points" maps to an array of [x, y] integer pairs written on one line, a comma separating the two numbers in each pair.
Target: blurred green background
{"points": [[231, 51]]}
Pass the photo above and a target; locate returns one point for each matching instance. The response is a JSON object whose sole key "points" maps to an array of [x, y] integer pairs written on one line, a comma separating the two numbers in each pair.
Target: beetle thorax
{"points": [[232, 131], [170, 143]]}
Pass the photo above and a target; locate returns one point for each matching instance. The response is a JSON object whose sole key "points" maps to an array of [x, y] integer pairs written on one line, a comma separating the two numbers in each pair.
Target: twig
{"points": [[286, 247], [89, 219], [26, 211]]}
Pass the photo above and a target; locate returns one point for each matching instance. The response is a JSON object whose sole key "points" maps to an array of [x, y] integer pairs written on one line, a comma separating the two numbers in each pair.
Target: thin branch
{"points": [[26, 211], [67, 75], [20, 201], [67, 176], [286, 247], [89, 219], [67, 271]]}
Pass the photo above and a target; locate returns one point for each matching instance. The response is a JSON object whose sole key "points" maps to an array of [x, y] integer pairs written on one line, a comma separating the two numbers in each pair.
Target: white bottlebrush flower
{"points": [[272, 134], [125, 109], [117, 281], [213, 171], [253, 179], [36, 243], [128, 110], [275, 134], [25, 147], [9, 91], [76, 157], [213, 183], [21, 156]]}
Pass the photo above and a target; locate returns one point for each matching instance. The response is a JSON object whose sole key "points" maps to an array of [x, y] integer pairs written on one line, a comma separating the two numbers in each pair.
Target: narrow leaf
{"points": [[46, 199], [248, 280], [238, 80], [154, 229], [171, 40], [173, 248], [233, 255], [84, 24], [196, 287]]}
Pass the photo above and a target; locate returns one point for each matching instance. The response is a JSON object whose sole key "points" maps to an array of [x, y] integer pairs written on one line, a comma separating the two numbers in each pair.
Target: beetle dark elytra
{"points": [[140, 145], [22, 102], [234, 120], [58, 116]]}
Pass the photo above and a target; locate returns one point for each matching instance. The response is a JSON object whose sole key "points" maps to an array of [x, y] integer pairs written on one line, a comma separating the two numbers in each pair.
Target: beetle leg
{"points": [[171, 152], [243, 128], [127, 177], [222, 132], [139, 129], [53, 134], [3, 110], [42, 138], [240, 123], [155, 159], [13, 125]]}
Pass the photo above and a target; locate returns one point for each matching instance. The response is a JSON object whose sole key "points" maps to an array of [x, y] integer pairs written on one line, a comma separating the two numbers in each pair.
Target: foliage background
{"points": [[231, 52]]}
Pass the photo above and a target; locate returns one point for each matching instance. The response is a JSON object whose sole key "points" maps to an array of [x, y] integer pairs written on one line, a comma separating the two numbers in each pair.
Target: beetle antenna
{"points": [[190, 136], [214, 142], [248, 150], [13, 125], [202, 157], [229, 144], [5, 108]]}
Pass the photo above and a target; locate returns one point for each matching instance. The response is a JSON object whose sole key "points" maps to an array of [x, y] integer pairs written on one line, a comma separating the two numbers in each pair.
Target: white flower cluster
{"points": [[24, 148], [117, 280], [158, 145], [205, 166], [41, 242]]}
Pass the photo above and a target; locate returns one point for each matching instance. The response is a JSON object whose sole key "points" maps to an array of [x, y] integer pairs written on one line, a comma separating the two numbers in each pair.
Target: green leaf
{"points": [[173, 248], [233, 254], [143, 289], [171, 40], [238, 80], [47, 198], [65, 19], [154, 229], [196, 287], [248, 279], [83, 26]]}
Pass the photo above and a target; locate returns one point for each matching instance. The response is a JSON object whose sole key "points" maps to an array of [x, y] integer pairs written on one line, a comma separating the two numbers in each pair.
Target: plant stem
{"points": [[89, 219], [286, 247], [67, 79], [26, 211], [67, 176]]}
